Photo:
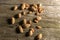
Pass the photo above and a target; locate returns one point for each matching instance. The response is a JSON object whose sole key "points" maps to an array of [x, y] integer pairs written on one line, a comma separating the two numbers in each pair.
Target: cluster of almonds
{"points": [[31, 7], [27, 23]]}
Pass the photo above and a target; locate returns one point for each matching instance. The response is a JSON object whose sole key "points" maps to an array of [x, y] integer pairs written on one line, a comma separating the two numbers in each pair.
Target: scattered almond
{"points": [[29, 22], [40, 8], [27, 6], [29, 12], [39, 36], [12, 20], [19, 15], [35, 5], [37, 13], [21, 29], [15, 7], [38, 18], [26, 25], [38, 27], [36, 21], [24, 21], [23, 6], [31, 31], [33, 8], [23, 13]]}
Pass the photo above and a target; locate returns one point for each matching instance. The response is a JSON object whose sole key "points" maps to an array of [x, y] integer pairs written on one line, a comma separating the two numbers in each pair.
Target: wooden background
{"points": [[50, 20]]}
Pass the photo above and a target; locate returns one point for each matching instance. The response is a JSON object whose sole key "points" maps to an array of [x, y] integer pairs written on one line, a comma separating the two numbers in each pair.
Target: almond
{"points": [[19, 15], [26, 25], [39, 36], [21, 29], [23, 6], [38, 27], [15, 7], [31, 31], [24, 21], [38, 18], [12, 20], [36, 21]]}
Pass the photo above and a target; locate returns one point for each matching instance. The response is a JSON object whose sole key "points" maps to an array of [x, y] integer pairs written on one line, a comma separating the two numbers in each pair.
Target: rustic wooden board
{"points": [[50, 20]]}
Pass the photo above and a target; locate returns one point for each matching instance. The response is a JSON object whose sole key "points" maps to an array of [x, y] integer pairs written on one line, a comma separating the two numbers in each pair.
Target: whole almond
{"points": [[39, 36], [35, 5], [21, 29], [15, 7], [24, 21], [29, 22], [31, 29], [30, 33], [33, 8], [38, 27], [19, 15], [26, 25], [36, 21], [27, 6], [12, 20], [23, 6], [37, 13], [23, 13], [38, 18]]}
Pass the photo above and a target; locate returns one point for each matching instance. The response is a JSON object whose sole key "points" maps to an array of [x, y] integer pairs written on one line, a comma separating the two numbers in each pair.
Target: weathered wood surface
{"points": [[50, 20]]}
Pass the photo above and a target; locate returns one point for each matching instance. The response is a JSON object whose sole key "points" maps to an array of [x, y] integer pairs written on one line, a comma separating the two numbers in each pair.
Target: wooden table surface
{"points": [[50, 20]]}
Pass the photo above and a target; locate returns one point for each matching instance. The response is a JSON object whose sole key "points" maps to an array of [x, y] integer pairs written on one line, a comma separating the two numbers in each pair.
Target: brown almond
{"points": [[37, 13], [15, 7], [21, 29], [35, 5], [24, 21], [38, 18], [26, 25], [40, 10], [27, 6], [19, 15], [12, 20], [29, 12], [23, 6], [38, 27], [34, 9], [32, 29], [30, 33], [36, 21], [23, 13], [39, 36], [29, 22]]}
